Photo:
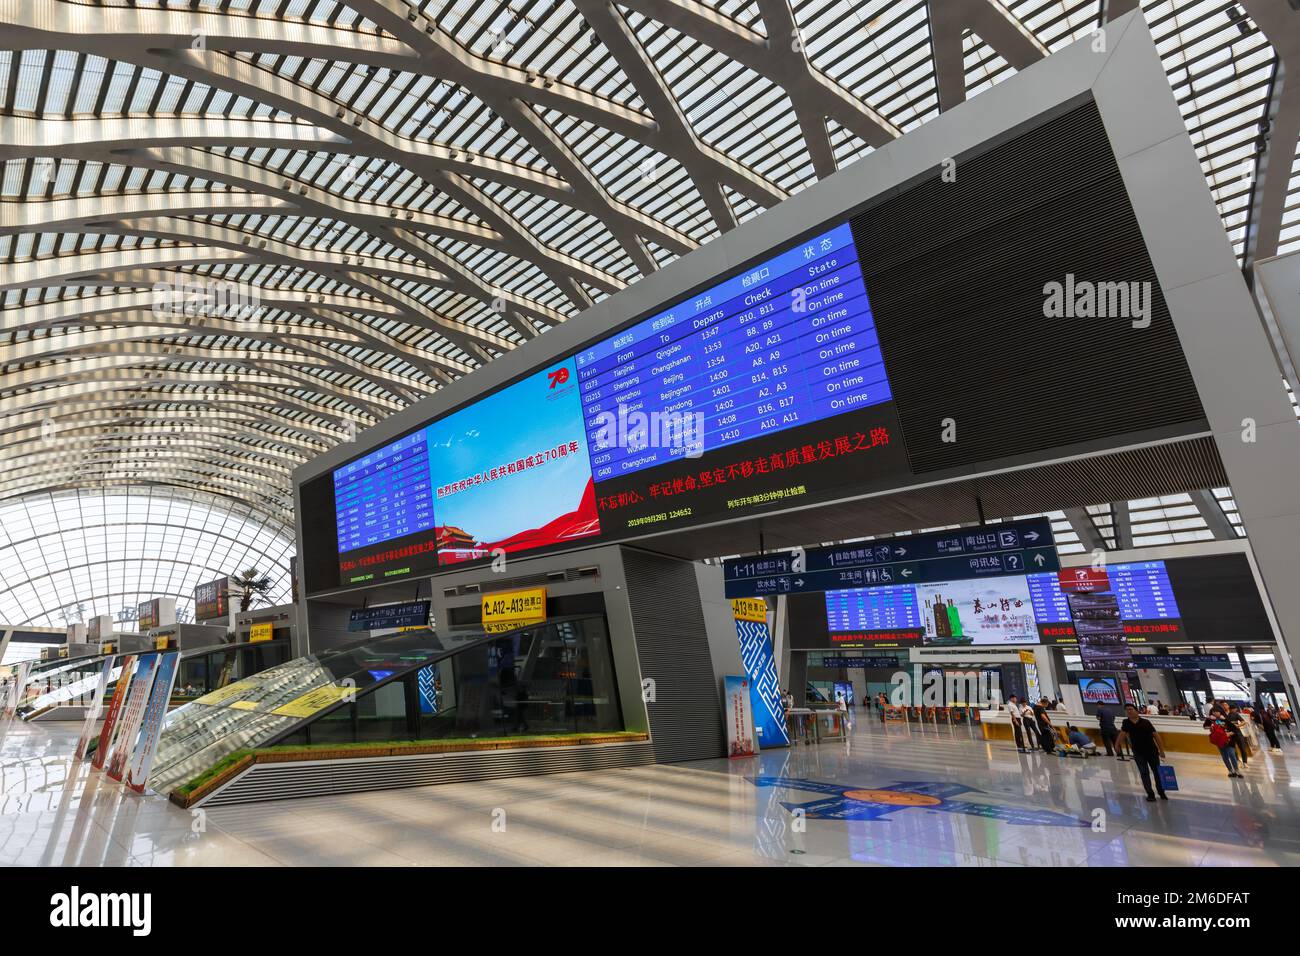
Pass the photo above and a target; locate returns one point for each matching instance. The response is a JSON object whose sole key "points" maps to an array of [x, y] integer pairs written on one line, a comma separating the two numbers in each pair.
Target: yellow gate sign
{"points": [[507, 610], [261, 631], [222, 695], [749, 609], [315, 701]]}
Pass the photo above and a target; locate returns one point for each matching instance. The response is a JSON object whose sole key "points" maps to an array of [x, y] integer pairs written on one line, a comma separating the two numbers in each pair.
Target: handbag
{"points": [[1168, 779]]}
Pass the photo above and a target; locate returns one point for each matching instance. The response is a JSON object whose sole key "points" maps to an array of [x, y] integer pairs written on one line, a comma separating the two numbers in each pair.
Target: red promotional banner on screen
{"points": [[1078, 580]]}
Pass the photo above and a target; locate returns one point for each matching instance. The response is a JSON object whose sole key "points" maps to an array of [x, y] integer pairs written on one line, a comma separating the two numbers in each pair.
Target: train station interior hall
{"points": [[649, 433]]}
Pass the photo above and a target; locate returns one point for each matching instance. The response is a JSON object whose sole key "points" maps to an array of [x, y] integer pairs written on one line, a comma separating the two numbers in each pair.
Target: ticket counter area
{"points": [[1180, 734]]}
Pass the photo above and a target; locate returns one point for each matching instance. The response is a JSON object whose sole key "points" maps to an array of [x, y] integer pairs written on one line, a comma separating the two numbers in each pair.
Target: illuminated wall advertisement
{"points": [[212, 600], [147, 614], [739, 714]]}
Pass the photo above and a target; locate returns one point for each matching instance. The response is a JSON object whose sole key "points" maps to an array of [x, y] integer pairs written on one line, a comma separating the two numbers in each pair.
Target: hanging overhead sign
{"points": [[866, 663], [1180, 662], [388, 617], [212, 600], [987, 551]]}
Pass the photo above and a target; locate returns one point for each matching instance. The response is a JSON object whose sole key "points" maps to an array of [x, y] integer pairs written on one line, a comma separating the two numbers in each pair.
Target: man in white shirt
{"points": [[1013, 710], [1033, 735]]}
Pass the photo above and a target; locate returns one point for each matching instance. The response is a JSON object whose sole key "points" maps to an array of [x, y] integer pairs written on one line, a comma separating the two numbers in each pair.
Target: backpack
{"points": [[1219, 737]]}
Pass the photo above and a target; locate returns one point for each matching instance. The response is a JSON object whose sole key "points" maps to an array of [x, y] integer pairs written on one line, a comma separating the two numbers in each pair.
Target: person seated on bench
{"points": [[1081, 740]]}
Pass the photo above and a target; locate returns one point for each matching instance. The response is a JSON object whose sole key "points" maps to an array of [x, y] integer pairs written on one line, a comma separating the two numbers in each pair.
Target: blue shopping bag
{"points": [[1168, 779]]}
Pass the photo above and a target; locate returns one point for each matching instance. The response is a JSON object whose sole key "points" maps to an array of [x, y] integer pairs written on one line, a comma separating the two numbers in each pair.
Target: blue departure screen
{"points": [[789, 342], [879, 608], [1050, 603], [384, 495], [1143, 591]]}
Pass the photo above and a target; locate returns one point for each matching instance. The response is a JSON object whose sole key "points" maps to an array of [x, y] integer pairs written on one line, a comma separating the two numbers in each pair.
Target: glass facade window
{"points": [[66, 557]]}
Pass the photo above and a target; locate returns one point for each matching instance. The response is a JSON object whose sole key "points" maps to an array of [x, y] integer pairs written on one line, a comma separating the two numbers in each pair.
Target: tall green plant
{"points": [[252, 585]]}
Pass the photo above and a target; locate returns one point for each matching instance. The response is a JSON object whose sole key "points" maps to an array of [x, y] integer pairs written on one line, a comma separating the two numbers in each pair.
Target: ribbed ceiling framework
{"points": [[379, 197]]}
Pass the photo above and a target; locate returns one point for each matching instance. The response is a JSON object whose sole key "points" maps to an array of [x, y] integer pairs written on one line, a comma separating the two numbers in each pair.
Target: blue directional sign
{"points": [[1017, 547], [1180, 662], [860, 662], [388, 616]]}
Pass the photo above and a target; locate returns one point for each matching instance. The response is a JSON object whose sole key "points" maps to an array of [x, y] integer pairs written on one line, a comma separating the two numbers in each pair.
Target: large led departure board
{"points": [[767, 388], [1143, 590], [1002, 610], [384, 495], [890, 608], [977, 611], [786, 343], [1145, 596]]}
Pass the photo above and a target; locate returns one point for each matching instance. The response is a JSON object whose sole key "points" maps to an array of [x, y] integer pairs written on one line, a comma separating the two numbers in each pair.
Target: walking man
{"points": [[1147, 747]]}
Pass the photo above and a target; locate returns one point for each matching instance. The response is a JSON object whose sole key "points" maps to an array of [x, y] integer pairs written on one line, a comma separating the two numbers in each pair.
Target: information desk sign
{"points": [[1017, 547], [389, 616]]}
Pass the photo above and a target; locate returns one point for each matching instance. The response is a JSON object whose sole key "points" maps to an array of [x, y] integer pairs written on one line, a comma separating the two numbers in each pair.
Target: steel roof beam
{"points": [[995, 25]]}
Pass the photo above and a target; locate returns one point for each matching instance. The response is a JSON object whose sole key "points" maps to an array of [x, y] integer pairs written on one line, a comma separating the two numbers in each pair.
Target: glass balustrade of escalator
{"points": [[201, 671], [550, 679]]}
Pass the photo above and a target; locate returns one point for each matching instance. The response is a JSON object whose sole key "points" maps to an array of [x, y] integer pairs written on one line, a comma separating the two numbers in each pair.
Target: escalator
{"points": [[57, 693], [548, 679], [51, 677]]}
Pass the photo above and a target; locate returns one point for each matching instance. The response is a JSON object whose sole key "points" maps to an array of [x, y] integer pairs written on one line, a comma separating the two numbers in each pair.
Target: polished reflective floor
{"points": [[896, 796]]}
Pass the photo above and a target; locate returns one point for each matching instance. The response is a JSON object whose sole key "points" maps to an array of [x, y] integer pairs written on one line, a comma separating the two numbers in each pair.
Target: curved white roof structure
{"points": [[235, 232]]}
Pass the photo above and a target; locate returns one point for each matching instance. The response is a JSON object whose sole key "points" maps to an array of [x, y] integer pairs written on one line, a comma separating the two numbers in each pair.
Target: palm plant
{"points": [[252, 585]]}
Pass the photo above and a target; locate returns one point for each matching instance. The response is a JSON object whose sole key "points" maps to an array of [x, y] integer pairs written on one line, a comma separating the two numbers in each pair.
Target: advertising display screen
{"points": [[511, 481], [1102, 643], [1098, 690], [765, 389], [976, 611], [147, 614], [211, 600]]}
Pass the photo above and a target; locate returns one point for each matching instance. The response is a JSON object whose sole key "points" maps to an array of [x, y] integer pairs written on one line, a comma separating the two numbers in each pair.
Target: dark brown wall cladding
{"points": [[955, 272]]}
